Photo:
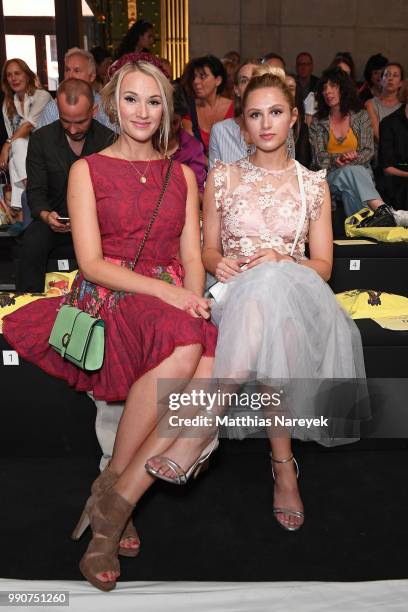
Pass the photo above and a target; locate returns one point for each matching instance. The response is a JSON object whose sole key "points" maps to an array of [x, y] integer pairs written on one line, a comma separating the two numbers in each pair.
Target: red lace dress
{"points": [[140, 330]]}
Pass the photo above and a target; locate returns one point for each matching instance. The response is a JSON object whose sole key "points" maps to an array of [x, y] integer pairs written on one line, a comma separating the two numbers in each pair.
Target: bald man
{"points": [[51, 152]]}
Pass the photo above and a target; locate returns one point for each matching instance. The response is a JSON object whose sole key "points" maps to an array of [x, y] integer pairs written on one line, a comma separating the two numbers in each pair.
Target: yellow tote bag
{"points": [[383, 234], [371, 304]]}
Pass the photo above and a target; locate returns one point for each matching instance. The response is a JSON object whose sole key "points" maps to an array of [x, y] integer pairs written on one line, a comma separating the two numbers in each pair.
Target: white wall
{"points": [[323, 27]]}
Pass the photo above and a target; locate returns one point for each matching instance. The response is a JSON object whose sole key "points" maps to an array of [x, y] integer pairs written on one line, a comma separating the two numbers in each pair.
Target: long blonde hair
{"points": [[11, 110], [110, 95]]}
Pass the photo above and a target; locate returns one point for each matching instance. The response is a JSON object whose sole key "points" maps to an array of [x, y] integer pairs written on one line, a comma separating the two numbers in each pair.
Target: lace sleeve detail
{"points": [[315, 191], [220, 182]]}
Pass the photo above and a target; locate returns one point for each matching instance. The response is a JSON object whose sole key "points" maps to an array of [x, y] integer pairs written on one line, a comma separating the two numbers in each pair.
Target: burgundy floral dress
{"points": [[140, 330]]}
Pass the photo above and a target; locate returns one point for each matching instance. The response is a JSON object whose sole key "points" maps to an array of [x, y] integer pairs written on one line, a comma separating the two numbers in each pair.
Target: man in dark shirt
{"points": [[306, 80], [51, 152]]}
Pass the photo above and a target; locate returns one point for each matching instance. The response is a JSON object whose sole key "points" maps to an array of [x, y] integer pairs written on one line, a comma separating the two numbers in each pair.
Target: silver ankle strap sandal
{"points": [[290, 512]]}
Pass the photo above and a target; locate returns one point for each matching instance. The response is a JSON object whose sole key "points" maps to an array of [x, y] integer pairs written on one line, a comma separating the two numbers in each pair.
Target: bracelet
{"points": [[9, 140]]}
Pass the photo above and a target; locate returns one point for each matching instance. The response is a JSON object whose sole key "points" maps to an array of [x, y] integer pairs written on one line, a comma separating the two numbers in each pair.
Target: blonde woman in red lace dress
{"points": [[156, 322]]}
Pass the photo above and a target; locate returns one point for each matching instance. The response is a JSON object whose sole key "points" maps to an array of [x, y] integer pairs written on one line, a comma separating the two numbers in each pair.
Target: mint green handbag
{"points": [[79, 337]]}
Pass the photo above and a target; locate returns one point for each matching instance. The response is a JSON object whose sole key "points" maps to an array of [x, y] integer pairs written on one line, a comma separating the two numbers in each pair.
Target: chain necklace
{"points": [[142, 175]]}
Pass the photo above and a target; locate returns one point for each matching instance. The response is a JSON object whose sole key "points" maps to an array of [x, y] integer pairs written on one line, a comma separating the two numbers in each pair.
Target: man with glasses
{"points": [[306, 80]]}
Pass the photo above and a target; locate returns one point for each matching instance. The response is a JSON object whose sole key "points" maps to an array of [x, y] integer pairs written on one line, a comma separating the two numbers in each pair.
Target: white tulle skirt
{"points": [[280, 327]]}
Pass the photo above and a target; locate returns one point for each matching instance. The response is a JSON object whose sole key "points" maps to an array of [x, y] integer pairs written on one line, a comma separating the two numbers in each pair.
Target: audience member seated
{"points": [[22, 106], [372, 74], [387, 101], [139, 37], [204, 80], [79, 64], [227, 140], [342, 142], [393, 154], [182, 146], [51, 152], [273, 59], [306, 83], [305, 79], [103, 60]]}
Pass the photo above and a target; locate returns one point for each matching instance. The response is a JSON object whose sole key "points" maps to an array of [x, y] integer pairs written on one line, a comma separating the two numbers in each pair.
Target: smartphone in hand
{"points": [[63, 220]]}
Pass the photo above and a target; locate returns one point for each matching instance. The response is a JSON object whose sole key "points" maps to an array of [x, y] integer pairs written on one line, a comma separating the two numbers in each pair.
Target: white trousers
{"points": [[17, 170]]}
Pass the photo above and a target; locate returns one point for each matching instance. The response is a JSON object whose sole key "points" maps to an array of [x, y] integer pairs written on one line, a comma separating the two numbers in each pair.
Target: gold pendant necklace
{"points": [[142, 175]]}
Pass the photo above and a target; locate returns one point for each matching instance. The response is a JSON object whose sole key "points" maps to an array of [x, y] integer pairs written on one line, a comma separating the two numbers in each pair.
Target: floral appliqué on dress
{"points": [[261, 208]]}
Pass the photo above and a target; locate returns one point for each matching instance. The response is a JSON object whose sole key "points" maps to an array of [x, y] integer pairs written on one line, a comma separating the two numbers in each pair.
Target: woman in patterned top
{"points": [[278, 319]]}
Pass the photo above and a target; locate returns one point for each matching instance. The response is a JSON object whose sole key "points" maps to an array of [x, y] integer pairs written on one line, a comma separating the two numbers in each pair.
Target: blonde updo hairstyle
{"points": [[264, 76], [110, 95]]}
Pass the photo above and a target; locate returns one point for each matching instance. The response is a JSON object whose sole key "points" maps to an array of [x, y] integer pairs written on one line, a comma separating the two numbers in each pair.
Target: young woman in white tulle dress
{"points": [[277, 317], [278, 320]]}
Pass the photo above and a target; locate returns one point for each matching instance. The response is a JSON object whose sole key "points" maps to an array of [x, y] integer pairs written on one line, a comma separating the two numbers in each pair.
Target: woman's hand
{"points": [[187, 300], [264, 255], [346, 158], [227, 268], [4, 156]]}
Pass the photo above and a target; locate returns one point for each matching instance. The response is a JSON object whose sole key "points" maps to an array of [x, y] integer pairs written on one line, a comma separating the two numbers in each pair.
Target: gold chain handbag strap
{"points": [[154, 215], [146, 234]]}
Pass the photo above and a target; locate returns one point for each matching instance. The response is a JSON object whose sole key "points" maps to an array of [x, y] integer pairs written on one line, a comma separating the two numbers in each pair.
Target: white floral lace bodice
{"points": [[261, 208]]}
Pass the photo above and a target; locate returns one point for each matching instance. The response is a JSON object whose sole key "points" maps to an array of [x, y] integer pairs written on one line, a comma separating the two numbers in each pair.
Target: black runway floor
{"points": [[220, 527]]}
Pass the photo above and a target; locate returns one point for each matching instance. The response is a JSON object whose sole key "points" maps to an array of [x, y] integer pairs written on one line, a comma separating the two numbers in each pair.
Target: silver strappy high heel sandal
{"points": [[180, 476], [277, 511]]}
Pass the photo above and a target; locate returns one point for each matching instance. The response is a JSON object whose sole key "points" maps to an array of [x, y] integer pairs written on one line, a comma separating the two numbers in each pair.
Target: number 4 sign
{"points": [[10, 358]]}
